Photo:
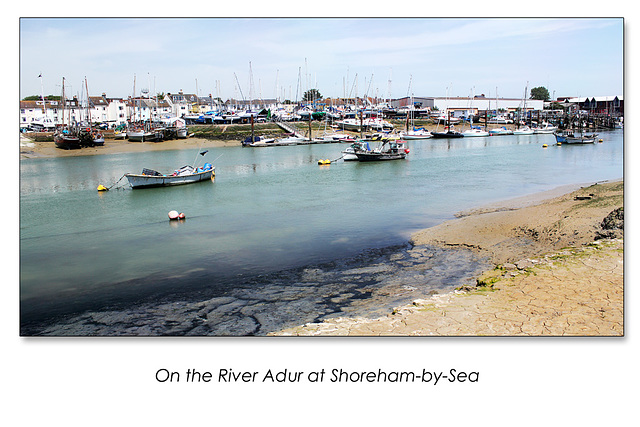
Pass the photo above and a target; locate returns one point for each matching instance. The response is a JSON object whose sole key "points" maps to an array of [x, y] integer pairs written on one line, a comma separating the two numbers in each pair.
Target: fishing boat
{"points": [[139, 135], [66, 140], [98, 138], [65, 137], [570, 137], [388, 150], [349, 153]]}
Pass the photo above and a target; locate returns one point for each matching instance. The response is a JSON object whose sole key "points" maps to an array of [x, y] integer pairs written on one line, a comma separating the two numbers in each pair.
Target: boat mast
{"points": [[134, 98], [44, 111], [86, 86], [63, 102]]}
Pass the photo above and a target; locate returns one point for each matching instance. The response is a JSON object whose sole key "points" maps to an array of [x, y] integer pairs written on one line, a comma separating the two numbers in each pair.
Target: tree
{"points": [[39, 98], [540, 92], [311, 94]]}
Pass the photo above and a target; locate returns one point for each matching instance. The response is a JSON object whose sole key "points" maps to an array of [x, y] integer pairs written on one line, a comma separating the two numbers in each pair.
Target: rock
{"points": [[524, 264], [508, 266]]}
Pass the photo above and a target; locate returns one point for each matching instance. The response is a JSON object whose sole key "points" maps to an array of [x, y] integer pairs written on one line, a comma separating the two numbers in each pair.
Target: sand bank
{"points": [[34, 149], [551, 277]]}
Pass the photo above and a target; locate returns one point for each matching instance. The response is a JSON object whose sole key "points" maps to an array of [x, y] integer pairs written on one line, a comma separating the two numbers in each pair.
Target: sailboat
{"points": [[499, 119], [473, 131], [65, 137], [414, 133], [88, 136], [525, 130], [449, 131]]}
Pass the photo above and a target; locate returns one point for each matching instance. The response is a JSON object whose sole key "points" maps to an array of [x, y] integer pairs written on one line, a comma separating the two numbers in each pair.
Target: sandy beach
{"points": [[558, 272]]}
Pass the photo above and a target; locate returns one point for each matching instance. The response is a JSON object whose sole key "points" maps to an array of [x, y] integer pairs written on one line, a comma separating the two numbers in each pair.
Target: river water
{"points": [[275, 241]]}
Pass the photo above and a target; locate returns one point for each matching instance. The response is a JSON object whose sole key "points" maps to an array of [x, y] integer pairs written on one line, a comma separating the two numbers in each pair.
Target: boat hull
{"points": [[586, 139], [447, 135], [374, 157], [147, 181], [468, 134], [67, 142]]}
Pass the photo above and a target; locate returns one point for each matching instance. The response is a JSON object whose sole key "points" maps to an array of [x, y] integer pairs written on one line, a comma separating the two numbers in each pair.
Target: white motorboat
{"points": [[545, 128], [500, 131], [419, 133], [475, 131], [525, 130]]}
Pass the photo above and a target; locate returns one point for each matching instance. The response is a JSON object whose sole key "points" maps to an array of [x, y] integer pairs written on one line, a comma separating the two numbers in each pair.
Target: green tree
{"points": [[39, 98], [311, 94], [540, 92]]}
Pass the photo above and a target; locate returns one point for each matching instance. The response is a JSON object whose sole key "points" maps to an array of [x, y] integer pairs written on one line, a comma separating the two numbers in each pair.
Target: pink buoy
{"points": [[173, 215]]}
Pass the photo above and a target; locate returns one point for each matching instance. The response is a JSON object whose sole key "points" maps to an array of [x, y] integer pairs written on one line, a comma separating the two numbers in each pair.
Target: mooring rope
{"points": [[109, 188]]}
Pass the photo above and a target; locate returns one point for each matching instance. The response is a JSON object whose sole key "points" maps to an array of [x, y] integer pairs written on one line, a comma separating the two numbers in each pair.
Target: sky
{"points": [[282, 57]]}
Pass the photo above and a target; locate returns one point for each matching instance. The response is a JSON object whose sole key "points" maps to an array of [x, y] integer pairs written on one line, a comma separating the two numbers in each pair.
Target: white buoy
{"points": [[173, 214]]}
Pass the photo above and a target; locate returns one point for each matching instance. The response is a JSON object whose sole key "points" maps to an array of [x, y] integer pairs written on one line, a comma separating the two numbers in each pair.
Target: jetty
{"points": [[291, 129]]}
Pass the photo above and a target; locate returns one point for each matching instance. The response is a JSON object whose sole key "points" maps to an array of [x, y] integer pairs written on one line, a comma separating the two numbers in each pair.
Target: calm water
{"points": [[276, 240]]}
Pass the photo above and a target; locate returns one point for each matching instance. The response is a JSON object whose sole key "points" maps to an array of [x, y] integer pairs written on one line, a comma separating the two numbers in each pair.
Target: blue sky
{"points": [[436, 57]]}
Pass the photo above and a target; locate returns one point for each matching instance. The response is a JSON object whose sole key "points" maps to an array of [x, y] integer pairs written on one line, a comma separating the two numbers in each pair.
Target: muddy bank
{"points": [[559, 271]]}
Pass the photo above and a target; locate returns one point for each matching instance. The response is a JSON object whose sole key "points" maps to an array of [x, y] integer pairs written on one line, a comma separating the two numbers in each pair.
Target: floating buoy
{"points": [[102, 188], [559, 143], [544, 145], [406, 151], [324, 162], [600, 140], [173, 215], [181, 215]]}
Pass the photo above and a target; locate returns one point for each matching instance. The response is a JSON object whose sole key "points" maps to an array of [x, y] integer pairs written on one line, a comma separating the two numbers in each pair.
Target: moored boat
{"points": [[416, 133], [475, 131], [525, 130], [500, 131], [569, 137], [388, 150], [139, 135], [185, 175], [545, 128], [449, 132], [349, 153], [66, 140], [256, 141]]}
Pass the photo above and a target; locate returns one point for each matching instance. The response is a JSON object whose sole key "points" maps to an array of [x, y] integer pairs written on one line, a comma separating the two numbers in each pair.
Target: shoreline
{"points": [[555, 274], [30, 149]]}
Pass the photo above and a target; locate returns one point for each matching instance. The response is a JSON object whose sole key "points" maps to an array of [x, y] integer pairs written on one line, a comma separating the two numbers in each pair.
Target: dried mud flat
{"points": [[559, 272]]}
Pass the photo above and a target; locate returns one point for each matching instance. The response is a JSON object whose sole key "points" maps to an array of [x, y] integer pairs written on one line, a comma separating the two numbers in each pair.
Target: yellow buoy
{"points": [[102, 188], [600, 140], [324, 162], [544, 145], [559, 143]]}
